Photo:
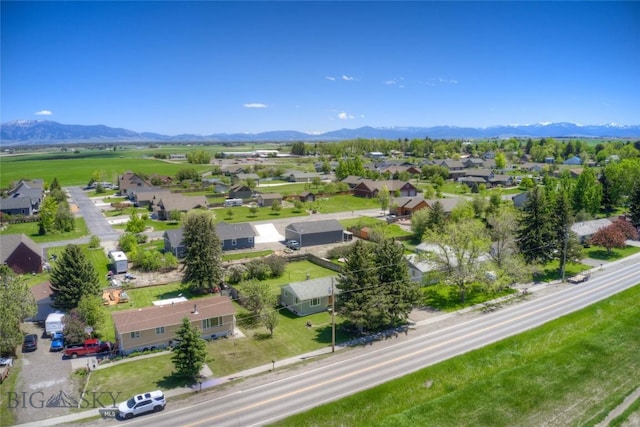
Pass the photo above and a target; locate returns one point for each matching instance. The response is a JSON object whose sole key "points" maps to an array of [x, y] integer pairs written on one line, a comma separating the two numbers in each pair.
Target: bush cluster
{"points": [[258, 269]]}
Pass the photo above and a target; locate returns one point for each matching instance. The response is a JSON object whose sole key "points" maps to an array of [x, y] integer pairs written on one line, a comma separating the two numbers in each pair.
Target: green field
{"points": [[571, 371], [30, 229]]}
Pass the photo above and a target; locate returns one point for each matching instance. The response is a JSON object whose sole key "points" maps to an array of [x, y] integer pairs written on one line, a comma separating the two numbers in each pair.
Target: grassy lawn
{"points": [[242, 214], [245, 255], [31, 230], [286, 189], [551, 272], [96, 256], [389, 230], [295, 272], [345, 202], [571, 371], [447, 298], [616, 254]]}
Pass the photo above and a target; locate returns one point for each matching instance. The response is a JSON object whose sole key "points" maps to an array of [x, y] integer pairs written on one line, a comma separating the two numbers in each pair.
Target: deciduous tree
{"points": [[614, 235], [16, 304]]}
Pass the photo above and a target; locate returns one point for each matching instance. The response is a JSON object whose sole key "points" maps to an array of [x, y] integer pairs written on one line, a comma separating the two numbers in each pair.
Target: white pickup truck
{"points": [[579, 278]]}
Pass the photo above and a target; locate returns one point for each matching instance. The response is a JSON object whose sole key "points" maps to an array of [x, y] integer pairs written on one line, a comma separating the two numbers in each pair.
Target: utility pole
{"points": [[333, 317], [564, 251]]}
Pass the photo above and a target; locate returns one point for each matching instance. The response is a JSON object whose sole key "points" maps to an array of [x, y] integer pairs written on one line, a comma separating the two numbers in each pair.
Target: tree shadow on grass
{"points": [[174, 381], [262, 336], [602, 254]]}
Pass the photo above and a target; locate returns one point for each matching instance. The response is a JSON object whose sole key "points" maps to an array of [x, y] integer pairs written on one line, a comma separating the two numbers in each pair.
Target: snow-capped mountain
{"points": [[20, 132]]}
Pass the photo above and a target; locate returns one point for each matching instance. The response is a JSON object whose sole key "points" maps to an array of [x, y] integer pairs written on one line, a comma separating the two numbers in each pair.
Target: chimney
{"points": [[195, 308]]}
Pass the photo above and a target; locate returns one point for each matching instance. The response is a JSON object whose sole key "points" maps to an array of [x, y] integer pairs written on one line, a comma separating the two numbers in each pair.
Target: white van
{"points": [[54, 323]]}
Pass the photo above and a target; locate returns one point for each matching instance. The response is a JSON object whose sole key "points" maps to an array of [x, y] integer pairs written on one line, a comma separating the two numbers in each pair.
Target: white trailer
{"points": [[54, 323]]}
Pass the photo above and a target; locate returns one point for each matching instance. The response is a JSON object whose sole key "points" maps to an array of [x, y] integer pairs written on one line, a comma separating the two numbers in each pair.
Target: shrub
{"points": [[236, 273], [258, 269], [276, 265]]}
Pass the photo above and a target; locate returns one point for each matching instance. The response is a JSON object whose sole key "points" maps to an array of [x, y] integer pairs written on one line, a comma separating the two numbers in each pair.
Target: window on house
{"points": [[250, 239], [211, 322], [234, 242], [314, 302], [160, 330], [135, 335]]}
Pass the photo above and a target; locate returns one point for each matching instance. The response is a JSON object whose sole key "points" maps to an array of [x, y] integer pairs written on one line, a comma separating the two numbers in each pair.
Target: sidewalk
{"points": [[212, 382]]}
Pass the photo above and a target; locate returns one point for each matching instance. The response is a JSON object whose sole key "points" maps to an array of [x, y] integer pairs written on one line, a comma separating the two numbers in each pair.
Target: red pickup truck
{"points": [[90, 347]]}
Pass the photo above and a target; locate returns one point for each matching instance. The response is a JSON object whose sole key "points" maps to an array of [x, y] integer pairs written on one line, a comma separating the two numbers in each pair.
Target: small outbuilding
{"points": [[119, 262]]}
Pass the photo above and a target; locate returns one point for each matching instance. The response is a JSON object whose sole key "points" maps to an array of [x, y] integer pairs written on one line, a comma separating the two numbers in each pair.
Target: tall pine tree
{"points": [[358, 285], [567, 247], [202, 268], [73, 277], [190, 353], [535, 236], [634, 205]]}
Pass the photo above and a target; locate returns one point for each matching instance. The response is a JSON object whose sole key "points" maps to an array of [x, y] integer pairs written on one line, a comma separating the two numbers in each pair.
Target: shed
{"points": [[119, 262], [313, 233]]}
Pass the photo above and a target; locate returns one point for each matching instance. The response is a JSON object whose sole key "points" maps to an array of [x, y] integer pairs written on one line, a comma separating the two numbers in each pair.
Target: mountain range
{"points": [[35, 132]]}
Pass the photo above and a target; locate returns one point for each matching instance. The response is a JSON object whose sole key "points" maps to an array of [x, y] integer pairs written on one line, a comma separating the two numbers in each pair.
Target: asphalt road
{"points": [[262, 400], [96, 222]]}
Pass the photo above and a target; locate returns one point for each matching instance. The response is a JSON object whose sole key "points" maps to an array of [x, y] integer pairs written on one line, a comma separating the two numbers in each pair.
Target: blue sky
{"points": [[210, 67]]}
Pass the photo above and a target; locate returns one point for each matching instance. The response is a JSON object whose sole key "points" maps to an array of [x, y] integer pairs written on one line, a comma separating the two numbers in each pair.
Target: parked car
{"points": [[57, 342], [293, 244], [30, 343], [152, 401]]}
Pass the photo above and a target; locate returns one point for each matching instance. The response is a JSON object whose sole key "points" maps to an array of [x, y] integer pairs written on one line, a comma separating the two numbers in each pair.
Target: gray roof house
{"points": [[16, 206], [24, 198], [232, 236], [586, 229], [267, 199], [312, 233], [419, 269], [298, 176], [236, 236], [309, 296]]}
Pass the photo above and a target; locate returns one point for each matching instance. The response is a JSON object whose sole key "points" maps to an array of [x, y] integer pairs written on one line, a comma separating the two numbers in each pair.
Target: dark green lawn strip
{"points": [[567, 372]]}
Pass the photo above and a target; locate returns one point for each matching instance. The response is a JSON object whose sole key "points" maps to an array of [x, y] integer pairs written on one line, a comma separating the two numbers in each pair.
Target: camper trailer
{"points": [[53, 323], [119, 262]]}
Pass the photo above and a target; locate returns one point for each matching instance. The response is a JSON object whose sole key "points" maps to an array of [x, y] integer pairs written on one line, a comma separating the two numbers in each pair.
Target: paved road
{"points": [[96, 222], [269, 398]]}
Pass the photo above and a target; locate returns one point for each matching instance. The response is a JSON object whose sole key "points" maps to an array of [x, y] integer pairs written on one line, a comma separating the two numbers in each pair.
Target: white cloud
{"points": [[255, 105], [44, 113], [448, 81], [333, 79], [390, 82], [344, 116], [347, 78]]}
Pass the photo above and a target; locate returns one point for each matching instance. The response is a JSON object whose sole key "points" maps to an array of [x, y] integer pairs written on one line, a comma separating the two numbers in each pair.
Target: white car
{"points": [[153, 401]]}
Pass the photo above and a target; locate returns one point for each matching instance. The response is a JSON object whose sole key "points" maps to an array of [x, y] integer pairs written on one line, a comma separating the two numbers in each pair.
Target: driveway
{"points": [[45, 388], [96, 222]]}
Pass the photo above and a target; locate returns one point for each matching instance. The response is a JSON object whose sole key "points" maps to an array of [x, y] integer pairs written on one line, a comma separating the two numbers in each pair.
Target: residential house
{"points": [[532, 167], [215, 184], [173, 242], [156, 327], [394, 171], [20, 253], [232, 236], [455, 167], [520, 199], [501, 180], [240, 192], [318, 166], [236, 236], [586, 229], [231, 170], [177, 202], [297, 176], [574, 161], [147, 196], [309, 296], [241, 178], [130, 181], [472, 162], [352, 180], [24, 199], [267, 199], [312, 233], [369, 188], [473, 182], [419, 269], [448, 205], [406, 206], [307, 196], [489, 155]]}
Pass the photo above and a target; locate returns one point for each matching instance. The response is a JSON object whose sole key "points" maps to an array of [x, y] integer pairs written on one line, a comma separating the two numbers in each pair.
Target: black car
{"points": [[30, 342]]}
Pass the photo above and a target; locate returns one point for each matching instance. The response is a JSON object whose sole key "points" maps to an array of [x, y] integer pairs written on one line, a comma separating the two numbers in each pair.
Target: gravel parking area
{"points": [[45, 388]]}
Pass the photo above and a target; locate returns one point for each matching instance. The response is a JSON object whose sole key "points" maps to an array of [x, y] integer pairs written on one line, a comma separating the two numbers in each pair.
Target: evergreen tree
{"points": [[190, 353], [202, 268], [397, 292], [55, 185], [16, 304], [358, 286], [73, 277], [566, 242], [634, 205], [437, 217], [535, 237]]}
